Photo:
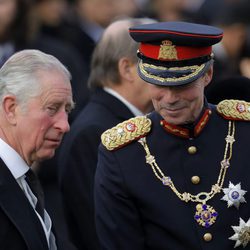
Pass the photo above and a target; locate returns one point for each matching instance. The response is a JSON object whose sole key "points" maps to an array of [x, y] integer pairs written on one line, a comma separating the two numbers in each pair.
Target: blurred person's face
{"points": [[38, 129], [101, 12], [127, 8], [51, 12], [8, 9], [181, 104], [232, 45], [169, 10]]}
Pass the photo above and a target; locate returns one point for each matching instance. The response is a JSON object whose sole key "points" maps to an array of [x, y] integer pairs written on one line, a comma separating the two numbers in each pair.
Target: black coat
{"points": [[134, 210], [77, 164], [20, 228]]}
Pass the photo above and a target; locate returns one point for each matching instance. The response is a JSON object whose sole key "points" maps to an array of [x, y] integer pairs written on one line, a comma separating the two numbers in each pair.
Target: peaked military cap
{"points": [[174, 53]]}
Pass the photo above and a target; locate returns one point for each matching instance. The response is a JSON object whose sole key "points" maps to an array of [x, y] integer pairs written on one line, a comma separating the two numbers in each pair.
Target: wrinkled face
{"points": [[181, 104], [40, 127]]}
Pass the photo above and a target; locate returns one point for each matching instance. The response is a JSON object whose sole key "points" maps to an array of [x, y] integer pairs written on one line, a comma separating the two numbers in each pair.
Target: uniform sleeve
{"points": [[117, 219]]}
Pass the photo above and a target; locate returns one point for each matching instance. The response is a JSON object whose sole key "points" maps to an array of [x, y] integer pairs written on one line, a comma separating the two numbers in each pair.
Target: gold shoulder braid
{"points": [[234, 110], [126, 132], [205, 215]]}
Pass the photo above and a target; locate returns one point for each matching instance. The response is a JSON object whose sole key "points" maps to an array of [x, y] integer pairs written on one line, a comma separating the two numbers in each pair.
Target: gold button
{"points": [[195, 179], [192, 150], [207, 237]]}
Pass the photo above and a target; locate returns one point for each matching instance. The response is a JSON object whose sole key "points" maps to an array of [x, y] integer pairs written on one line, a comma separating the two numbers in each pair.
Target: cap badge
{"points": [[234, 195], [242, 233], [167, 51]]}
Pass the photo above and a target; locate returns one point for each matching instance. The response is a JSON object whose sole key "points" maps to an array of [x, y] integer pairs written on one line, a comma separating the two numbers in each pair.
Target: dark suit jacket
{"points": [[136, 211], [77, 164], [20, 228]]}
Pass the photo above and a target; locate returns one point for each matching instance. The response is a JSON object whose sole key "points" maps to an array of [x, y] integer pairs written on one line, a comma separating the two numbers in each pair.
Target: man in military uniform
{"points": [[176, 179]]}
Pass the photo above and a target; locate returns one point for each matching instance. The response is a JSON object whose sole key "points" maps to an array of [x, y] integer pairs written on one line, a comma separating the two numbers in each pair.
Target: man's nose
{"points": [[169, 95], [62, 122]]}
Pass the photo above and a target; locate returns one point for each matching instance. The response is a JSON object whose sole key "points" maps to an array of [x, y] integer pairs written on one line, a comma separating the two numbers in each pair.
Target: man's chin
{"points": [[174, 118], [46, 155]]}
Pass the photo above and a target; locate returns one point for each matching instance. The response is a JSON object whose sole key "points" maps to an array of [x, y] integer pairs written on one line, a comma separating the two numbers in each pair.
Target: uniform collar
{"points": [[190, 130]]}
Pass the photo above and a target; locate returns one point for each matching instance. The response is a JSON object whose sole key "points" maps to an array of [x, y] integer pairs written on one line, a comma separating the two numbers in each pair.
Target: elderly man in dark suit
{"points": [[119, 94], [36, 98]]}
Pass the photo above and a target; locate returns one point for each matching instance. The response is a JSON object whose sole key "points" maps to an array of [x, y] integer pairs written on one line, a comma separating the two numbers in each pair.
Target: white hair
{"points": [[19, 74]]}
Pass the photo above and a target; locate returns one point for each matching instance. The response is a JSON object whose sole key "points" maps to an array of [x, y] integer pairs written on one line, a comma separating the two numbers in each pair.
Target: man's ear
{"points": [[9, 106], [209, 75], [125, 69]]}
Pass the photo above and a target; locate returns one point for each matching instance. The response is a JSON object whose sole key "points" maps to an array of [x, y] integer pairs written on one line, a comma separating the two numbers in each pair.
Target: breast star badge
{"points": [[242, 233], [234, 195]]}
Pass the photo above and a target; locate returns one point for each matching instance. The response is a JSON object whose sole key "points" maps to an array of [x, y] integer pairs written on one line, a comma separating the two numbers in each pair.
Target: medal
{"points": [[242, 233], [234, 195], [205, 215]]}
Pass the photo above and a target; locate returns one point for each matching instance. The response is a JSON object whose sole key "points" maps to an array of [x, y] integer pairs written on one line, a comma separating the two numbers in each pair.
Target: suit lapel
{"points": [[17, 207]]}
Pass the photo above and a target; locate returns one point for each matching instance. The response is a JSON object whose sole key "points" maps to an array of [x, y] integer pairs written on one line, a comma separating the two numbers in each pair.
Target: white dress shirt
{"points": [[130, 106]]}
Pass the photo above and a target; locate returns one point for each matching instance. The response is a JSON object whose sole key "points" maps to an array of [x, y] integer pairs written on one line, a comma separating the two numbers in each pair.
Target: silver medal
{"points": [[234, 195], [242, 233]]}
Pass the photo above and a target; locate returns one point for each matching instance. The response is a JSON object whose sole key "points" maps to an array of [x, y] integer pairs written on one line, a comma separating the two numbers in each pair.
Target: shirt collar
{"points": [[130, 106], [13, 160]]}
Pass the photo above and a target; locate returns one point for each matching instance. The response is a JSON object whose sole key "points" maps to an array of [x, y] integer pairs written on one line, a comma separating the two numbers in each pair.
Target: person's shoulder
{"points": [[126, 132], [238, 110]]}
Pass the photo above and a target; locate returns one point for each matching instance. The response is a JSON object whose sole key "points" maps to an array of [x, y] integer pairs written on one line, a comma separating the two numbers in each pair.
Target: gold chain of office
{"points": [[205, 215]]}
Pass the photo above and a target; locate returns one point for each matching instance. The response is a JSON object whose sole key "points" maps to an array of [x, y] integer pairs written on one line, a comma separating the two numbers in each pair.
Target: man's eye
{"points": [[68, 110], [52, 110]]}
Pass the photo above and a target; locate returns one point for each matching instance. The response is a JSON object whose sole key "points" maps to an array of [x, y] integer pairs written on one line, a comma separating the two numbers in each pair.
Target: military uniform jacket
{"points": [[134, 210]]}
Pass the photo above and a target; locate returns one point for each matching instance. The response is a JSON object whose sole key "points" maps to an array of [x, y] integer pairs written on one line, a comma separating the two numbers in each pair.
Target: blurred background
{"points": [[70, 29]]}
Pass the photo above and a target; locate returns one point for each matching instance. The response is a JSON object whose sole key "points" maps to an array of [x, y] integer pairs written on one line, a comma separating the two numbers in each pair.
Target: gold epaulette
{"points": [[234, 110], [126, 132]]}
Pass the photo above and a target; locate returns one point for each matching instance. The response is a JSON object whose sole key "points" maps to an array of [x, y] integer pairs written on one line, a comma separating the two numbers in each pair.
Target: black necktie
{"points": [[36, 188]]}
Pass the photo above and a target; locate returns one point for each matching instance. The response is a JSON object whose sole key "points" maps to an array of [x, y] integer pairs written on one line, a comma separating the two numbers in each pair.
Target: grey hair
{"points": [[110, 49], [19, 74]]}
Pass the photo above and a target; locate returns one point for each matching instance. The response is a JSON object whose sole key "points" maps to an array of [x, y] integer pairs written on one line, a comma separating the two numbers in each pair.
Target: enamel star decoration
{"points": [[242, 233], [234, 195]]}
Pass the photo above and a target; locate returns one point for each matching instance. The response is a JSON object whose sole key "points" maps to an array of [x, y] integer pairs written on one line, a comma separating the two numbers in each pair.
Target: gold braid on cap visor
{"points": [[195, 69]]}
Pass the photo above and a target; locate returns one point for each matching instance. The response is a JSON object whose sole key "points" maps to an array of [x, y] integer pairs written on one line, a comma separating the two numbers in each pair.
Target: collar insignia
{"points": [[234, 195], [185, 132], [242, 233]]}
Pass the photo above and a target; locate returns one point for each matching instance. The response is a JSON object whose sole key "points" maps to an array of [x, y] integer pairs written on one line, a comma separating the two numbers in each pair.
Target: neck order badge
{"points": [[205, 215]]}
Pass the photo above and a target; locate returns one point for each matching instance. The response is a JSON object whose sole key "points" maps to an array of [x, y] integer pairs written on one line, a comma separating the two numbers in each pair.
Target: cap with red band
{"points": [[174, 53], [182, 52]]}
